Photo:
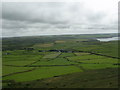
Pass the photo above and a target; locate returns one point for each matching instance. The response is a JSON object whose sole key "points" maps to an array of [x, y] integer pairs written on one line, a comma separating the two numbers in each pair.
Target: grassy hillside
{"points": [[67, 61], [103, 78]]}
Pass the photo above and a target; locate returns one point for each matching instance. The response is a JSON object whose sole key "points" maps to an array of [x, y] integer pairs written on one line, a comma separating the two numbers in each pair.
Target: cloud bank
{"points": [[55, 18]]}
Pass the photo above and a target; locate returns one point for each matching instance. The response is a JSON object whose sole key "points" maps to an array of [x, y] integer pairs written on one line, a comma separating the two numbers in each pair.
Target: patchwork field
{"points": [[43, 72], [43, 45], [52, 61], [10, 70], [52, 55], [57, 61]]}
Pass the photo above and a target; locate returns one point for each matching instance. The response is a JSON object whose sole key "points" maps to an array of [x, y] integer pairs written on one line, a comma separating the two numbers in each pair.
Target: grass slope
{"points": [[103, 78]]}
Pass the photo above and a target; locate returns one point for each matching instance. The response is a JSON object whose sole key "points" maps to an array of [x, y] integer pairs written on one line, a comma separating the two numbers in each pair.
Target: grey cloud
{"points": [[51, 18], [7, 24], [33, 12]]}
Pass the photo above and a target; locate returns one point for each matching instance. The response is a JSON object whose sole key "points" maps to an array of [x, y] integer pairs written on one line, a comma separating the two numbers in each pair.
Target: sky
{"points": [[56, 18]]}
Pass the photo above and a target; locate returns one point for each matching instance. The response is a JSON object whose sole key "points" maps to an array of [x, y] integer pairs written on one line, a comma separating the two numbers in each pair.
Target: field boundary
{"points": [[19, 72], [84, 52]]}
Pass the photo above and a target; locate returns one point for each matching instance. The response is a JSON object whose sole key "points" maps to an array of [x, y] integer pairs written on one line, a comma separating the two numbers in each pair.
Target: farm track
{"points": [[19, 72]]}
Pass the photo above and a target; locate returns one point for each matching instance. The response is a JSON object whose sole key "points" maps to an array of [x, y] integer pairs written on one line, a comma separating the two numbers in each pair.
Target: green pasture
{"points": [[22, 52], [16, 59], [43, 72], [80, 54], [66, 55], [105, 48], [52, 55], [85, 57], [101, 61], [18, 63], [8, 70], [22, 57], [97, 66], [57, 61]]}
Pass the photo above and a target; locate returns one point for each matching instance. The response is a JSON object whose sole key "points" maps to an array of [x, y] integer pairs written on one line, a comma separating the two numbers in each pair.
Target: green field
{"points": [[82, 62], [53, 55], [97, 66], [43, 72], [9, 70], [66, 55], [57, 61]]}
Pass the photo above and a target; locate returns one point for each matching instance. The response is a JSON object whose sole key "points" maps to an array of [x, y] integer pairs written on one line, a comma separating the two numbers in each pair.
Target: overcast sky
{"points": [[54, 18]]}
